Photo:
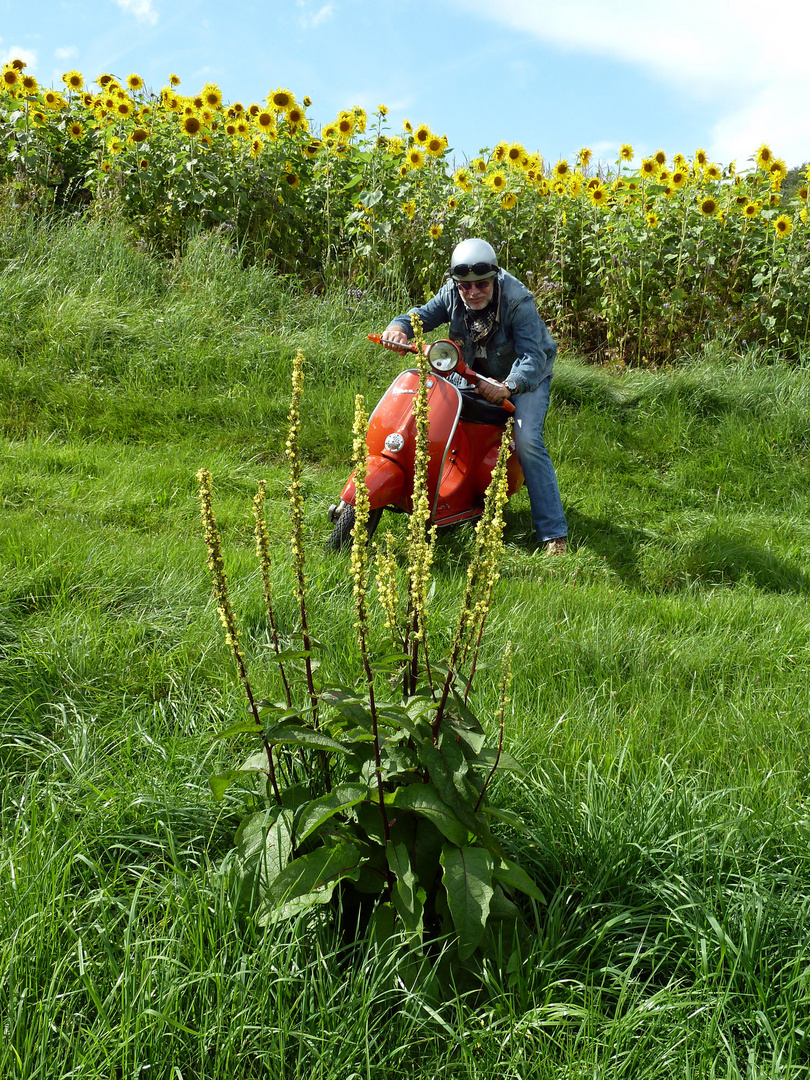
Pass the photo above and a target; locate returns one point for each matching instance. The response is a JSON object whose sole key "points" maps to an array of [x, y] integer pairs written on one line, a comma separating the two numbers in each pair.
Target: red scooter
{"points": [[464, 434]]}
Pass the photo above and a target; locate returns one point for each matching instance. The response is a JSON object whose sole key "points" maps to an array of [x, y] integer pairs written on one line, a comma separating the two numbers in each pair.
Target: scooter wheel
{"points": [[341, 537]]}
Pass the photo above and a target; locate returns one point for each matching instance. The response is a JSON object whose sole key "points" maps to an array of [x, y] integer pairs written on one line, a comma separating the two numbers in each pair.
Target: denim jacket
{"points": [[520, 346]]}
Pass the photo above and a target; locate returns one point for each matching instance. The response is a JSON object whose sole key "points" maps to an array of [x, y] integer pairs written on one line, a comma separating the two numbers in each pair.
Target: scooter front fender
{"points": [[386, 483]]}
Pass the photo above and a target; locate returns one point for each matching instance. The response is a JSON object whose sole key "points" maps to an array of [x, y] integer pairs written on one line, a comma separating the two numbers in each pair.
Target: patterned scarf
{"points": [[480, 323]]}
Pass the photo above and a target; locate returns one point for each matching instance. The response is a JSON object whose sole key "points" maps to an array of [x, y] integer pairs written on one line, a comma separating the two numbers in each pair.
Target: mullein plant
{"points": [[381, 805]]}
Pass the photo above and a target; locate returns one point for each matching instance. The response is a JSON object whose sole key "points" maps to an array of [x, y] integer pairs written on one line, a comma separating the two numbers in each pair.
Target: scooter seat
{"points": [[477, 410]]}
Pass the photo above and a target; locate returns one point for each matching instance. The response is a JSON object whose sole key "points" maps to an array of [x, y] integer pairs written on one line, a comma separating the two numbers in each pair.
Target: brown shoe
{"points": [[557, 546]]}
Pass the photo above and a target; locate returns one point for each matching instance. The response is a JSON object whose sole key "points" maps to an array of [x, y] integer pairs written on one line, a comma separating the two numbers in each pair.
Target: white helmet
{"points": [[473, 260]]}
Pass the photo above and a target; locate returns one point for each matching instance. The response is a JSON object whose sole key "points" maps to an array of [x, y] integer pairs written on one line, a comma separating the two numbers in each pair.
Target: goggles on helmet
{"points": [[479, 269]]}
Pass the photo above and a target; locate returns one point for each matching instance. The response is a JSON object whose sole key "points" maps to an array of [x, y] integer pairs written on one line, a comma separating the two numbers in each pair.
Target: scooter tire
{"points": [[341, 537]]}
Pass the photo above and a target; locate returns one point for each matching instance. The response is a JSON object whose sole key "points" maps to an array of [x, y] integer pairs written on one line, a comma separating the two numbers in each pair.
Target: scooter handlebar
{"points": [[462, 369], [378, 340]]}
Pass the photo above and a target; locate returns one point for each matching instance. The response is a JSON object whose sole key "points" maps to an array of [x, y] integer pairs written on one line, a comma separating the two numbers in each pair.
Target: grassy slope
{"points": [[660, 702]]}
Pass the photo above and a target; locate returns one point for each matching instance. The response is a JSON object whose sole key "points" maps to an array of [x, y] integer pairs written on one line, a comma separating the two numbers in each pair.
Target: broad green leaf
{"points": [[506, 816], [468, 883], [424, 800], [515, 877], [447, 767], [487, 758], [320, 810], [239, 728], [264, 846], [408, 899], [303, 736], [314, 876], [220, 783]]}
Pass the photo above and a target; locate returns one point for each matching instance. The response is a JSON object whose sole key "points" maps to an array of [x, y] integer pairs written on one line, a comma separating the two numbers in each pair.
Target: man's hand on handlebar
{"points": [[393, 337], [493, 391]]}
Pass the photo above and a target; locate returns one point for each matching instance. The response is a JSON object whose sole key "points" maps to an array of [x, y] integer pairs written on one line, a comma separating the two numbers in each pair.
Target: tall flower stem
{"points": [[263, 554], [360, 569], [219, 578]]}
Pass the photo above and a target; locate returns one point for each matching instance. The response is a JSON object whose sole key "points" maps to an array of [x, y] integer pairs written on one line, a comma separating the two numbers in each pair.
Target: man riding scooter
{"points": [[493, 318]]}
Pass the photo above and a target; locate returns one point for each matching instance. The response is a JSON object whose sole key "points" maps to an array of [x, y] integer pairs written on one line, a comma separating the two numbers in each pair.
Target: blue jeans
{"points": [[548, 516]]}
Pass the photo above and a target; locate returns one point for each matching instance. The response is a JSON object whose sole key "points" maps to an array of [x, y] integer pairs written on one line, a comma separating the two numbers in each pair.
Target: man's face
{"points": [[476, 294]]}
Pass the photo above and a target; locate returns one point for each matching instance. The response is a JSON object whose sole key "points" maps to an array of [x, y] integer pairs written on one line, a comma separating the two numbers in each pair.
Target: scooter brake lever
{"points": [[395, 345]]}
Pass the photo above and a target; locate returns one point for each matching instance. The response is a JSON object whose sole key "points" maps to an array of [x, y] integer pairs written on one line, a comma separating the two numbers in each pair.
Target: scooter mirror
{"points": [[444, 356]]}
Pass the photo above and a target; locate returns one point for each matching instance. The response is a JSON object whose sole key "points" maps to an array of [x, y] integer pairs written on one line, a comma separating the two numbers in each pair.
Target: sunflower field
{"points": [[629, 262]]}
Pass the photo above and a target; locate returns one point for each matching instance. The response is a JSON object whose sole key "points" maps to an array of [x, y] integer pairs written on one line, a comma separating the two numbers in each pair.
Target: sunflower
{"points": [[435, 231], [143, 163], [73, 80], [407, 126], [124, 107], [115, 145], [415, 158], [281, 100], [75, 129], [345, 125], [660, 158], [649, 167], [29, 84], [329, 132], [496, 180], [777, 170], [515, 153], [561, 168], [312, 147], [679, 178], [626, 152], [701, 157], [478, 165], [774, 199], [174, 80], [292, 178], [435, 146], [11, 77], [652, 219], [135, 82], [598, 195], [265, 121], [198, 102], [422, 134], [230, 128], [104, 81], [584, 157], [764, 157], [106, 166], [783, 226], [212, 95], [708, 206], [509, 201], [575, 185], [256, 146], [360, 117], [51, 100], [713, 171], [295, 116], [680, 162], [461, 178], [452, 203], [190, 125], [139, 135], [802, 192]]}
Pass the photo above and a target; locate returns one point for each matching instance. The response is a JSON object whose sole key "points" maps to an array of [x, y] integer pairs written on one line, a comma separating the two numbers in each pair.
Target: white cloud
{"points": [[67, 52], [14, 52], [748, 66], [141, 9], [310, 20]]}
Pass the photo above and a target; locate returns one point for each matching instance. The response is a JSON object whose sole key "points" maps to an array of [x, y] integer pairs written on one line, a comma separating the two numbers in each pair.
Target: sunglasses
{"points": [[462, 269], [465, 286]]}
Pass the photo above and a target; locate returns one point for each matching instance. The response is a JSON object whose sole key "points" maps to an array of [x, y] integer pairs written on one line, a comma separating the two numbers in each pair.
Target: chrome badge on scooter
{"points": [[394, 442]]}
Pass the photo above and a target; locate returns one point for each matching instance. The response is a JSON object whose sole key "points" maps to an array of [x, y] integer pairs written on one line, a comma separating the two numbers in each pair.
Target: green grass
{"points": [[660, 701]]}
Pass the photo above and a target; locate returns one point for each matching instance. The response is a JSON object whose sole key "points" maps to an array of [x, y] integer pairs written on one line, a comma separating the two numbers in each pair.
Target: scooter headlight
{"points": [[443, 356], [394, 442]]}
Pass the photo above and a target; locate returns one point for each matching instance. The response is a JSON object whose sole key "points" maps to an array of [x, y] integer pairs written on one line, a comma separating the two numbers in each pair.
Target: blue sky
{"points": [[554, 75]]}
